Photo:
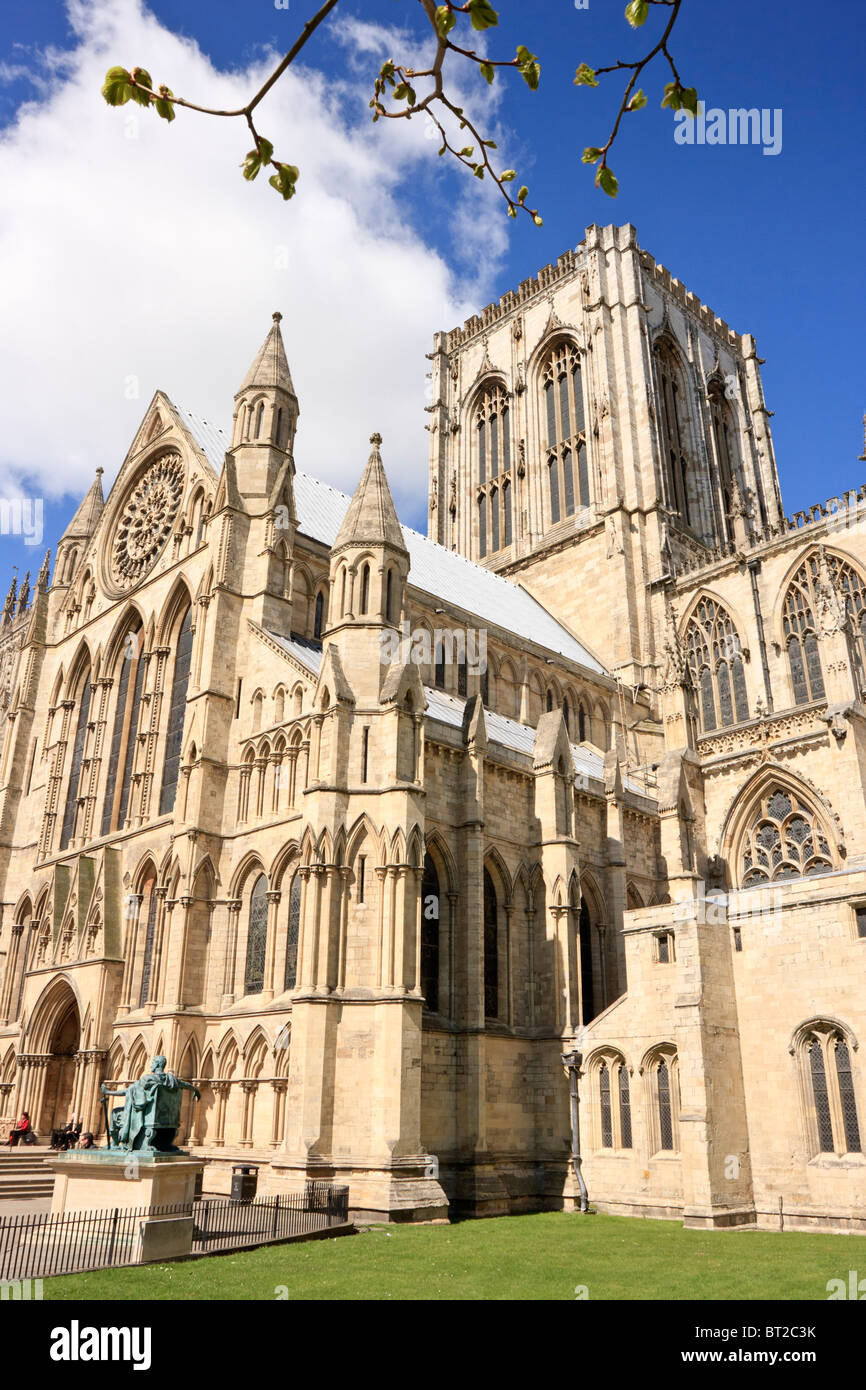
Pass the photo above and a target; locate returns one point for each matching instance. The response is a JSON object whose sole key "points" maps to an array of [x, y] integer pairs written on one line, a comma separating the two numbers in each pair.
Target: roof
{"points": [[445, 574], [436, 571], [210, 438], [588, 761], [309, 654]]}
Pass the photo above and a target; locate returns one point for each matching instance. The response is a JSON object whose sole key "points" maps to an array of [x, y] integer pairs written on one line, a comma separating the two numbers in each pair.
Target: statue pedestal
{"points": [[101, 1179]]}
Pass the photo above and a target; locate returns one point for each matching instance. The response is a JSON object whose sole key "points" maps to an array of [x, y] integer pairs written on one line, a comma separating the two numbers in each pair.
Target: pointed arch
{"points": [[716, 661], [779, 828], [179, 630]]}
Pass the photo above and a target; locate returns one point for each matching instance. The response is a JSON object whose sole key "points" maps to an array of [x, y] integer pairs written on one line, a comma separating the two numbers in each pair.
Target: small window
{"points": [[861, 922], [738, 939], [362, 876], [665, 947]]}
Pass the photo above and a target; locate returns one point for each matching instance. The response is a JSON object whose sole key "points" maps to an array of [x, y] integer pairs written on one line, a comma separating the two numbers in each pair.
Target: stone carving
{"points": [[146, 519], [148, 1122]]}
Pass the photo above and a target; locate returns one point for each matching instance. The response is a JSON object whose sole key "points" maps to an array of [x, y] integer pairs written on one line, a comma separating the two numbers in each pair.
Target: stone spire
{"points": [[85, 520], [862, 458], [266, 407], [270, 368], [44, 572], [372, 516]]}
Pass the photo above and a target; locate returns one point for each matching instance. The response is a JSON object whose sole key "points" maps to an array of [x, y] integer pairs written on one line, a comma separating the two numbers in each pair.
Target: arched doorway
{"points": [[60, 1073]]}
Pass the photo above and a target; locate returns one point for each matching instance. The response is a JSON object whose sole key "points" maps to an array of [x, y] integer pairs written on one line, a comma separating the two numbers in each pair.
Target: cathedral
{"points": [[387, 841]]}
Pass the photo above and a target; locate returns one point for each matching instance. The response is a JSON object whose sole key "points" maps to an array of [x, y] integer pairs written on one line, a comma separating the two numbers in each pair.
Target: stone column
{"points": [[249, 1089], [280, 1087], [273, 897]]}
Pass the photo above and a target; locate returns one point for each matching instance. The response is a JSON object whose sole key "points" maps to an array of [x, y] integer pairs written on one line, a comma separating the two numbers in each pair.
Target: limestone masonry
{"points": [[362, 829]]}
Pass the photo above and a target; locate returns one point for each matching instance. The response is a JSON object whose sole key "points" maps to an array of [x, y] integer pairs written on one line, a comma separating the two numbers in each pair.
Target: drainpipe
{"points": [[754, 566], [571, 1062]]}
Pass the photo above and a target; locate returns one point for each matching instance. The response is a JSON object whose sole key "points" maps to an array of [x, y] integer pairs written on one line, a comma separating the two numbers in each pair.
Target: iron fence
{"points": [[221, 1224], [39, 1245]]}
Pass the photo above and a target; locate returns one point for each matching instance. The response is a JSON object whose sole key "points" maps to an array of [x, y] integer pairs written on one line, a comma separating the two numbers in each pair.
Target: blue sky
{"points": [[772, 243]]}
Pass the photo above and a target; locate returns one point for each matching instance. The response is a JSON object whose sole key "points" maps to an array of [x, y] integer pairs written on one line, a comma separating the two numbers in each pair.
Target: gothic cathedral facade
{"points": [[367, 830]]}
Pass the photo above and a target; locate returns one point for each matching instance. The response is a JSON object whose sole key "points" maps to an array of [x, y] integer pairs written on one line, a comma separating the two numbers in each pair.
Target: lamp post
{"points": [[571, 1065]]}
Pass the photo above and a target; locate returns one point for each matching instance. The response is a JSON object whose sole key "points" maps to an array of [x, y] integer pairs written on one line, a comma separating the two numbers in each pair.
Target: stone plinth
{"points": [[105, 1178]]}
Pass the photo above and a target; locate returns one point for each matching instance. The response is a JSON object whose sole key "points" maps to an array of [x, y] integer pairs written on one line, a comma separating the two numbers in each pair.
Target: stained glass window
{"points": [[624, 1106], [128, 662], [821, 1097], [73, 785], [294, 933], [491, 949], [784, 840], [663, 1084], [604, 1097], [563, 392], [430, 907], [847, 1098], [716, 666], [587, 992], [176, 714], [151, 901], [257, 937], [798, 618]]}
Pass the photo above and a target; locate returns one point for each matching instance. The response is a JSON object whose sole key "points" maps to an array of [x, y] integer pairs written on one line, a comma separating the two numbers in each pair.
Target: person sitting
{"points": [[21, 1131], [86, 1140]]}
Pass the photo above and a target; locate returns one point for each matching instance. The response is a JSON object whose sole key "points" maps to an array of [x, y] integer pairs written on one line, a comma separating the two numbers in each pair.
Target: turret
{"points": [[79, 531], [265, 417]]}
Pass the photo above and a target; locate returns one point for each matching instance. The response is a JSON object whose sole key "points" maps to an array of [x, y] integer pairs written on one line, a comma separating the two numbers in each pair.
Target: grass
{"points": [[534, 1257]]}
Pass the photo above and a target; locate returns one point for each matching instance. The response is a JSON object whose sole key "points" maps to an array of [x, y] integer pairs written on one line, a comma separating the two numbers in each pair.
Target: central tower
{"points": [[602, 410]]}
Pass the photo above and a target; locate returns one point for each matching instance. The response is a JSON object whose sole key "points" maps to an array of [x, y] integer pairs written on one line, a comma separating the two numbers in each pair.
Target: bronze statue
{"points": [[149, 1120]]}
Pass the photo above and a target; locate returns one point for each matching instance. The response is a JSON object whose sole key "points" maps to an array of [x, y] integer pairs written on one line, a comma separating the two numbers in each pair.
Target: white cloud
{"points": [[135, 256]]}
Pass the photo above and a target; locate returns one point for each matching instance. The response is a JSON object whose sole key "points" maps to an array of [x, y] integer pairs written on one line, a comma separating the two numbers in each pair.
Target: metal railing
{"points": [[40, 1245], [221, 1224]]}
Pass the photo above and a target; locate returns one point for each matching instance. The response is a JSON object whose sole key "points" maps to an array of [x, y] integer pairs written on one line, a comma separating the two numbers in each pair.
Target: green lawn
{"points": [[517, 1257]]}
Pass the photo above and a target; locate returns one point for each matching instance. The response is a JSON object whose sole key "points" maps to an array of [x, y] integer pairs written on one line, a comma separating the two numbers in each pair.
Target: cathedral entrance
{"points": [[60, 1073]]}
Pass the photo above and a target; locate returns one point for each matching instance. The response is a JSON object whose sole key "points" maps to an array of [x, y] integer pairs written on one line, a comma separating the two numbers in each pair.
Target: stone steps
{"points": [[23, 1173]]}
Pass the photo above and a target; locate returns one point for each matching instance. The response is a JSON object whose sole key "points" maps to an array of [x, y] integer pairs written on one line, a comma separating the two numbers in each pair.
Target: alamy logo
{"points": [[22, 516], [737, 126], [855, 1289], [77, 1343]]}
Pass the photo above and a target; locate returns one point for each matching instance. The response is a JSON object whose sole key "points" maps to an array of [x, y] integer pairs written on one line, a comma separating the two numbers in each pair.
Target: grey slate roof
{"points": [[210, 438], [444, 574], [438, 572]]}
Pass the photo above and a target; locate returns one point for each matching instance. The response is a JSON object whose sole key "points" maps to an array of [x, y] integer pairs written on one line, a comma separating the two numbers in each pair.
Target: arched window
{"points": [[833, 1121], [148, 916], [462, 675], [566, 714], [581, 724], [725, 445], [798, 616], [672, 421], [430, 935], [365, 589], [485, 686], [665, 1105], [319, 617], [784, 839], [614, 1104], [294, 933], [260, 420], [493, 462], [73, 787], [491, 949], [130, 685], [439, 668], [587, 990], [548, 701], [257, 937], [716, 664], [506, 512], [566, 431], [389, 597], [176, 714]]}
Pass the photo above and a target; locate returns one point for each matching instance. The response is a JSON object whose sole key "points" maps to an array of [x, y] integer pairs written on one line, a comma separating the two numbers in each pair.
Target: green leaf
{"points": [[508, 175], [445, 20], [144, 79], [117, 88], [467, 152], [585, 76], [523, 194], [591, 155], [606, 180], [252, 164], [401, 92], [490, 144], [482, 15], [284, 180], [512, 211], [488, 72], [636, 12], [266, 150], [690, 100], [529, 67], [539, 221], [165, 109], [478, 171], [638, 101]]}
